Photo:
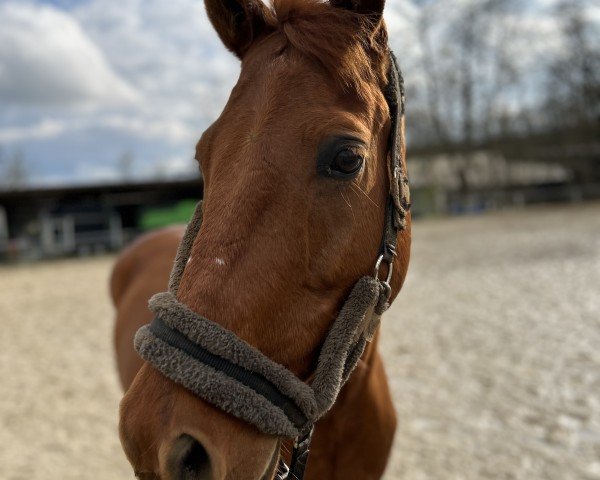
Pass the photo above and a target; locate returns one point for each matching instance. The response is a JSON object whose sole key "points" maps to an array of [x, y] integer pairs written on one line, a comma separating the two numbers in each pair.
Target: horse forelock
{"points": [[351, 47]]}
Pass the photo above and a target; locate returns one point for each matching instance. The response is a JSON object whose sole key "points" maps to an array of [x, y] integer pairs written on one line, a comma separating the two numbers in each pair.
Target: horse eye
{"points": [[341, 157], [347, 162]]}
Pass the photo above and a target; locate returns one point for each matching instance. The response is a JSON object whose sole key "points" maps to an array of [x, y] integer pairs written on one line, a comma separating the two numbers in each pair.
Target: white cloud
{"points": [[46, 58], [172, 167], [167, 49], [46, 128], [172, 130], [97, 174], [175, 167]]}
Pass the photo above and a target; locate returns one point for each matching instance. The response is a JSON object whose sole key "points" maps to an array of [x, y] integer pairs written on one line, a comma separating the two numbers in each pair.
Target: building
{"points": [[37, 223]]}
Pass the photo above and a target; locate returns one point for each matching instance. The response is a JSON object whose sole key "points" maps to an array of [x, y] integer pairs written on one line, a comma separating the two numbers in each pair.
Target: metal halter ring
{"points": [[390, 264], [385, 284]]}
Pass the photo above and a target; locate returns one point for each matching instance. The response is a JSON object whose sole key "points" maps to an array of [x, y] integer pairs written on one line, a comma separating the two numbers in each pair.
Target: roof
{"points": [[30, 193]]}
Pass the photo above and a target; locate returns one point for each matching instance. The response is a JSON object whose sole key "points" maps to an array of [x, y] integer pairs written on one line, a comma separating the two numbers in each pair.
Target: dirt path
{"points": [[493, 351]]}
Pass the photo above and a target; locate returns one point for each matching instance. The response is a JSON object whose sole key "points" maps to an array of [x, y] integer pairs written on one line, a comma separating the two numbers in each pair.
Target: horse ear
{"points": [[237, 22], [367, 7]]}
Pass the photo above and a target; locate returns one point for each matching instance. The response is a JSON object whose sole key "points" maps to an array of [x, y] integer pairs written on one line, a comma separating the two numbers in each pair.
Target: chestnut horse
{"points": [[281, 244]]}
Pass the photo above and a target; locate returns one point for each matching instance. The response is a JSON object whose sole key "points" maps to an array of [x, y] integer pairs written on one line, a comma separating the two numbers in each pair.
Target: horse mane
{"points": [[352, 47]]}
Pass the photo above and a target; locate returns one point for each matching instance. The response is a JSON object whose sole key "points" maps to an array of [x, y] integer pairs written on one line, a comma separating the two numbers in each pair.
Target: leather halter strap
{"points": [[398, 204]]}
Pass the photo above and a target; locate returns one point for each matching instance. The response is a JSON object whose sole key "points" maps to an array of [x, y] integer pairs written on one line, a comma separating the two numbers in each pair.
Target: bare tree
{"points": [[14, 170], [467, 60], [125, 164], [468, 65], [2, 160], [573, 83]]}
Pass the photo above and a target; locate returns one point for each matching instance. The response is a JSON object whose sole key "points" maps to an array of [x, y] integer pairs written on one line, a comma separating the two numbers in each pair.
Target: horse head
{"points": [[296, 183]]}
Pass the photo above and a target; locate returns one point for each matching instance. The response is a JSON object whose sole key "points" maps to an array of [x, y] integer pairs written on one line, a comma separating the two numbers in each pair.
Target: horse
{"points": [[297, 180]]}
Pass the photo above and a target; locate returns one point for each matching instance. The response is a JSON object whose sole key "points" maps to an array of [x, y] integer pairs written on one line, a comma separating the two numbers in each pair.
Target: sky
{"points": [[84, 83]]}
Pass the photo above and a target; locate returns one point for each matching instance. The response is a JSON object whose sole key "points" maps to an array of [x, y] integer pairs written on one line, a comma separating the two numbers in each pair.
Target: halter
{"points": [[222, 369]]}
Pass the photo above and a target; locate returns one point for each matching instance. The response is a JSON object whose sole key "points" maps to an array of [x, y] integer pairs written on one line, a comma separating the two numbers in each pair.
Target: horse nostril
{"points": [[189, 460]]}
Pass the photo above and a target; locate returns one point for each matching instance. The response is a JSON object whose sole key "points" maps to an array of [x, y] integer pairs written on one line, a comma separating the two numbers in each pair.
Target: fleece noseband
{"points": [[227, 372]]}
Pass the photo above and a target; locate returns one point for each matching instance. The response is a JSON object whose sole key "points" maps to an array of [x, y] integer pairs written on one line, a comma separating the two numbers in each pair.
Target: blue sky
{"points": [[82, 82]]}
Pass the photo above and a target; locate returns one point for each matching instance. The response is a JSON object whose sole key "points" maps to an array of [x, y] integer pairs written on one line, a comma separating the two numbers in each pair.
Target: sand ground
{"points": [[492, 349]]}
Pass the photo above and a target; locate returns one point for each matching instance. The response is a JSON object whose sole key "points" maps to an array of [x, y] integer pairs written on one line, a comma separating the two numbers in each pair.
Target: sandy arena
{"points": [[493, 353]]}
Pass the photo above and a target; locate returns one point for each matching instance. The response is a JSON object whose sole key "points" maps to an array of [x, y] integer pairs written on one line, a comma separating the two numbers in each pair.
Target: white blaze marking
{"points": [[219, 261]]}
